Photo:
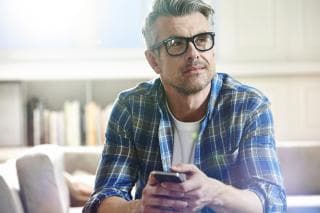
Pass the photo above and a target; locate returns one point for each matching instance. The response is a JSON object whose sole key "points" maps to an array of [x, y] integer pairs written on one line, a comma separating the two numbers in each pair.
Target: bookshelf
{"points": [[293, 106], [15, 93], [11, 113]]}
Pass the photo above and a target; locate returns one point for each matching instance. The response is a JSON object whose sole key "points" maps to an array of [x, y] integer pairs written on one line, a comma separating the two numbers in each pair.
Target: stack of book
{"points": [[73, 126]]}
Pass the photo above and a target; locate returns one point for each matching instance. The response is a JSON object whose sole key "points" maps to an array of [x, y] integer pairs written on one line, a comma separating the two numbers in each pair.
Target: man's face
{"points": [[192, 71]]}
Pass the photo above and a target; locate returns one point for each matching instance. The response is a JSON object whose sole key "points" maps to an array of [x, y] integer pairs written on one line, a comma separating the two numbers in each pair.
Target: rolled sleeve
{"points": [[92, 205], [272, 197], [262, 173]]}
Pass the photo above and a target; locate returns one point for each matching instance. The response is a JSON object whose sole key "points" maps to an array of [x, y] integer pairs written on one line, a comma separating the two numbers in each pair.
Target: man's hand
{"points": [[155, 198], [192, 195], [199, 190]]}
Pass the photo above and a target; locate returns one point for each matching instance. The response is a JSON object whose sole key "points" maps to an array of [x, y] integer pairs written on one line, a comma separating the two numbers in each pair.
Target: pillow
{"points": [[42, 184], [80, 186]]}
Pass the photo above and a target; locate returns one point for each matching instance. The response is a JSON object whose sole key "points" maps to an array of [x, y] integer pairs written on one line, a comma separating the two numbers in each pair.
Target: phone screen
{"points": [[173, 177]]}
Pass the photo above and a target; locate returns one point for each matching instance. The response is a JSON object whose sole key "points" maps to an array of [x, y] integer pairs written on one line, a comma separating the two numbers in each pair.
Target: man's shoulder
{"points": [[240, 91], [146, 89]]}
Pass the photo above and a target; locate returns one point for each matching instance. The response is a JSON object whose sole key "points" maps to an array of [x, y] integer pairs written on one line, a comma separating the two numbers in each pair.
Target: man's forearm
{"points": [[232, 199], [117, 204]]}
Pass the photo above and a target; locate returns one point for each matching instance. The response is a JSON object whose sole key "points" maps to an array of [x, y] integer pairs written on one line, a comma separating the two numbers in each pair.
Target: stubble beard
{"points": [[190, 85]]}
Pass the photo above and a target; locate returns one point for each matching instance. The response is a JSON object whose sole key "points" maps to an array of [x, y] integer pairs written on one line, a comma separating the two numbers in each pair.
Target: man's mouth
{"points": [[193, 69]]}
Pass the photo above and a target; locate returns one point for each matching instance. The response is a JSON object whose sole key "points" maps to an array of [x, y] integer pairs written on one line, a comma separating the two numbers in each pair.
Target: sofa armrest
{"points": [[42, 183], [9, 188], [82, 158]]}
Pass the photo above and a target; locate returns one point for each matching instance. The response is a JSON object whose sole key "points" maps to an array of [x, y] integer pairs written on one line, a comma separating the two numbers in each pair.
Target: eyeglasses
{"points": [[176, 46]]}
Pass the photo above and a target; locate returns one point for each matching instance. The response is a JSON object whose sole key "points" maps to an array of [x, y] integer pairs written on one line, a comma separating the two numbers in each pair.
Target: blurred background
{"points": [[63, 62], [54, 54], [81, 51]]}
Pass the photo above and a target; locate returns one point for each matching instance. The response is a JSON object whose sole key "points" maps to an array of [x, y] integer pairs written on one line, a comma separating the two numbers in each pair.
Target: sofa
{"points": [[47, 178], [35, 182]]}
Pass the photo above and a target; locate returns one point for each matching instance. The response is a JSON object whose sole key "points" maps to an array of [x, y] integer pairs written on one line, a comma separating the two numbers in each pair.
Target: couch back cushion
{"points": [[300, 164]]}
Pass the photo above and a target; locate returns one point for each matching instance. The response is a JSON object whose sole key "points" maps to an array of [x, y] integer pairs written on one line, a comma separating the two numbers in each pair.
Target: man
{"points": [[193, 121]]}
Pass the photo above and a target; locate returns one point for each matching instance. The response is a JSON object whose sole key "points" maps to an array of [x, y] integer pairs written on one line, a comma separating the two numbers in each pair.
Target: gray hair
{"points": [[173, 8]]}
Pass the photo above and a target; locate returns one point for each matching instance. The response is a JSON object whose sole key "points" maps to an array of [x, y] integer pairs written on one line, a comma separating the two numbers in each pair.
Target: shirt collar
{"points": [[166, 127], [216, 85]]}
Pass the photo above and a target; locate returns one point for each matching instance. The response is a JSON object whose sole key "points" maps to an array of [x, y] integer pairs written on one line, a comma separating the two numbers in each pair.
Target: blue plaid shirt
{"points": [[235, 143]]}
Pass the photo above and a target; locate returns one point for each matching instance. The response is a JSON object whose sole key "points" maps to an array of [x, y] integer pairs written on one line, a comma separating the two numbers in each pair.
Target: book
{"points": [[56, 128], [35, 122], [91, 110], [72, 126], [72, 123]]}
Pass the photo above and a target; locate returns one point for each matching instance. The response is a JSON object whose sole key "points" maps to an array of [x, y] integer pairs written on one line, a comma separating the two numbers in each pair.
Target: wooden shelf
{"points": [[136, 69], [76, 70]]}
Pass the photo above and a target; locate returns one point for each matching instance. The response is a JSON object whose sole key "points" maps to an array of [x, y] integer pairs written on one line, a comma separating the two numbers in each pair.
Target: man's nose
{"points": [[191, 52]]}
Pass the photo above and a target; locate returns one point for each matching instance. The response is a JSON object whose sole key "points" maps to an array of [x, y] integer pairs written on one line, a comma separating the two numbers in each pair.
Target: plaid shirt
{"points": [[235, 143]]}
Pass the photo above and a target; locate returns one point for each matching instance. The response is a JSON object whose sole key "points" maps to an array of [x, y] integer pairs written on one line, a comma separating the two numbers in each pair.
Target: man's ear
{"points": [[153, 60]]}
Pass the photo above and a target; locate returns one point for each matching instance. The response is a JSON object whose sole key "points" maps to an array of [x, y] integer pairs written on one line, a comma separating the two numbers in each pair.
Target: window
{"points": [[75, 24], [69, 39]]}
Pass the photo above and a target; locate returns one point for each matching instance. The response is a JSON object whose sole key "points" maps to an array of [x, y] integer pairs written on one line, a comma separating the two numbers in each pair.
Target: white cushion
{"points": [[304, 201]]}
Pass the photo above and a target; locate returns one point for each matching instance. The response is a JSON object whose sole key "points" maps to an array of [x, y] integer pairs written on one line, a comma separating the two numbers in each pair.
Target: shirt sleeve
{"points": [[260, 166], [117, 170]]}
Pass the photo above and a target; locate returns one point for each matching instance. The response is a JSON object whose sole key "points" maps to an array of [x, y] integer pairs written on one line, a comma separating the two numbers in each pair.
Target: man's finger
{"points": [[167, 203], [184, 168], [152, 180]]}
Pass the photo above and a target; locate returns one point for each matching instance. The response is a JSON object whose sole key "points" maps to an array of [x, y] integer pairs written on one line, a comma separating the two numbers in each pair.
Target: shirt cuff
{"points": [[260, 196], [93, 203], [272, 196]]}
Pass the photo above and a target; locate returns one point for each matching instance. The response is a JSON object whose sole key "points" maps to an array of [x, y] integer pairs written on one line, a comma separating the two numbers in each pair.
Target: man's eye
{"points": [[202, 39], [176, 43]]}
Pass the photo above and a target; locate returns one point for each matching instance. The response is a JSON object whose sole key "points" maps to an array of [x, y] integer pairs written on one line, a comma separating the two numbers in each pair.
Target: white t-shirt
{"points": [[185, 136]]}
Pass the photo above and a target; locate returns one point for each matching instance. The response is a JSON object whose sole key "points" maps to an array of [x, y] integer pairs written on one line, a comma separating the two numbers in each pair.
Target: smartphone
{"points": [[174, 177]]}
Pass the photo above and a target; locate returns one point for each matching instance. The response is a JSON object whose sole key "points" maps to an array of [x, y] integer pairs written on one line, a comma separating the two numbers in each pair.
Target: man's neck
{"points": [[188, 108]]}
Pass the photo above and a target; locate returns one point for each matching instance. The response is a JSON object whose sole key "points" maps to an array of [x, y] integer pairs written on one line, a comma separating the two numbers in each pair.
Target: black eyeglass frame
{"points": [[188, 39]]}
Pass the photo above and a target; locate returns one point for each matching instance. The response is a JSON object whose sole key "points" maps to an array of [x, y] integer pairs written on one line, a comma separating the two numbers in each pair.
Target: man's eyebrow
{"points": [[177, 36]]}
